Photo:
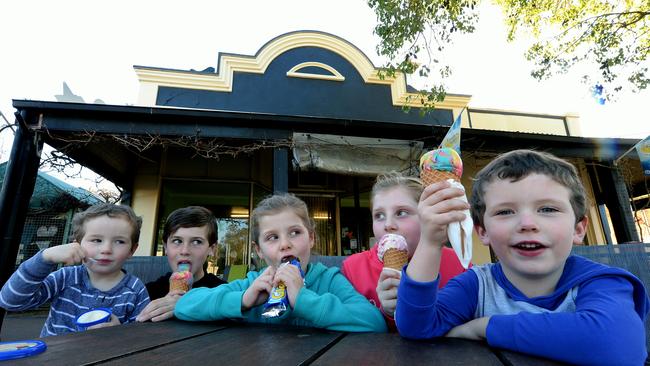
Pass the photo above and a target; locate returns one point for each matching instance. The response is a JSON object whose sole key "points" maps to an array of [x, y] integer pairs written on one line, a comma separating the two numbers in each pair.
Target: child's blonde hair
{"points": [[395, 179], [110, 210], [276, 203]]}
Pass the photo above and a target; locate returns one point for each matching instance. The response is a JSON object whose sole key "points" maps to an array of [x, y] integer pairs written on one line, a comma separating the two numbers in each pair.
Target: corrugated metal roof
{"points": [[50, 190]]}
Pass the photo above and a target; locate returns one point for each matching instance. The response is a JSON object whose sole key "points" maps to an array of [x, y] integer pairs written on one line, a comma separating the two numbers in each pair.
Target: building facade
{"points": [[309, 114]]}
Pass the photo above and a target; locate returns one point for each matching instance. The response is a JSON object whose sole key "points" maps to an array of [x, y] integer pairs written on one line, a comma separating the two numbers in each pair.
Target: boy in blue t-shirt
{"points": [[105, 236], [530, 208]]}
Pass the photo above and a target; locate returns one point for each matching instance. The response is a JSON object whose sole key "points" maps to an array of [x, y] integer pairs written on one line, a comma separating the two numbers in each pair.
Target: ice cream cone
{"points": [[182, 279], [393, 251], [429, 177], [440, 165], [395, 259], [179, 284]]}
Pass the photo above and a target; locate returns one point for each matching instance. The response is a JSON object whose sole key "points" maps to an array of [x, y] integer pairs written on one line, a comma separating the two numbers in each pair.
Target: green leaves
{"points": [[414, 33], [611, 38]]}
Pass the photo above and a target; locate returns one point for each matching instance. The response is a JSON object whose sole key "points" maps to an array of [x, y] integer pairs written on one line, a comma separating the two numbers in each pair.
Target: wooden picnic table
{"points": [[176, 342]]}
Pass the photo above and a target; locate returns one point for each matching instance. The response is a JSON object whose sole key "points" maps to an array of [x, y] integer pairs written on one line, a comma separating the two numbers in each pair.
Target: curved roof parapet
{"points": [[228, 64]]}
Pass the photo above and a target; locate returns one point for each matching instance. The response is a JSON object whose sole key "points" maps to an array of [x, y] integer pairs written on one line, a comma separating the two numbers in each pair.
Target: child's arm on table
{"points": [[222, 302], [474, 329], [424, 311], [605, 329], [160, 309], [341, 307]]}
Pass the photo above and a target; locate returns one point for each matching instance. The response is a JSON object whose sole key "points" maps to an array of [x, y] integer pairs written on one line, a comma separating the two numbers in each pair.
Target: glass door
{"points": [[322, 208]]}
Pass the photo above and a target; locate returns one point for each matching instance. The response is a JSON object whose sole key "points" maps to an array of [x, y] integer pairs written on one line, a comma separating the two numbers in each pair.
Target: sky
{"points": [[93, 45]]}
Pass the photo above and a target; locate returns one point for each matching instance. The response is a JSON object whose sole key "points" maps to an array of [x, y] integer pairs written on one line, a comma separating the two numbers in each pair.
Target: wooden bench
{"points": [[150, 268], [147, 268], [328, 260]]}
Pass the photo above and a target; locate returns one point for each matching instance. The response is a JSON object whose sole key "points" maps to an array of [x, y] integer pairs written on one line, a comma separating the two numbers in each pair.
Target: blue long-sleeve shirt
{"points": [[594, 317], [71, 293], [327, 300]]}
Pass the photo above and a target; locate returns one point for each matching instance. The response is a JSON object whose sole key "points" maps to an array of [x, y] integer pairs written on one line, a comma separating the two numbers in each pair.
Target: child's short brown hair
{"points": [[518, 164], [110, 210], [191, 216]]}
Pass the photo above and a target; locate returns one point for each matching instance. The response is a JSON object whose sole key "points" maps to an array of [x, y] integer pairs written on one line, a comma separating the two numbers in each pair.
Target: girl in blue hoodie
{"points": [[282, 229]]}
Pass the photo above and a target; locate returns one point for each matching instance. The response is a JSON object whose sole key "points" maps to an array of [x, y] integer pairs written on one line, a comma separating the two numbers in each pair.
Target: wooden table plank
{"points": [[510, 358], [391, 349], [107, 343], [246, 344]]}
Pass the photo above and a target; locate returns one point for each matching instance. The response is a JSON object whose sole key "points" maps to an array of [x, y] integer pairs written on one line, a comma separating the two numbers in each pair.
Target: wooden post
{"points": [[17, 189]]}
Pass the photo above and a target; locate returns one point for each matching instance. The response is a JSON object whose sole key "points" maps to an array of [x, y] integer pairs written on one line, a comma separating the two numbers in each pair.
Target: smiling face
{"points": [[531, 226], [283, 234], [189, 245], [394, 211], [107, 243]]}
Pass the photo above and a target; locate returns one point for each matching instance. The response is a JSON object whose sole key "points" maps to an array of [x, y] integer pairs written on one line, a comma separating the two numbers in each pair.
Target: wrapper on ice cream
{"points": [[460, 233], [445, 164], [278, 302], [393, 251]]}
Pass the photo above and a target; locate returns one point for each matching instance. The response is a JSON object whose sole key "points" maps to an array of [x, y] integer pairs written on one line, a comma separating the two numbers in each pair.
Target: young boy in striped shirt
{"points": [[105, 236]]}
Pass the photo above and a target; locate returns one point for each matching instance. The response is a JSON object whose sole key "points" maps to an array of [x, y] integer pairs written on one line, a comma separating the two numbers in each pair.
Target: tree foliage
{"points": [[610, 38], [407, 29]]}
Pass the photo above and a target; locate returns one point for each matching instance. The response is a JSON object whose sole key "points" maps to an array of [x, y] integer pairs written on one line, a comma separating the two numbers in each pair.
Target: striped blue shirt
{"points": [[71, 293]]}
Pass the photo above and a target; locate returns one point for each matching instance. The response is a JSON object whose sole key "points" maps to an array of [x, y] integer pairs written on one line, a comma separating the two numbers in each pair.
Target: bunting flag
{"points": [[452, 138], [643, 149]]}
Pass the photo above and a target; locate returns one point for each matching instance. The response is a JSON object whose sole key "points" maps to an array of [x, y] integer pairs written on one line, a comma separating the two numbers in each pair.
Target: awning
{"points": [[356, 155]]}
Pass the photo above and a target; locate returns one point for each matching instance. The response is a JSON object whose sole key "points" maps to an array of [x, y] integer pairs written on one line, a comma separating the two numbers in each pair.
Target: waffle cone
{"points": [[395, 259], [181, 285], [429, 177]]}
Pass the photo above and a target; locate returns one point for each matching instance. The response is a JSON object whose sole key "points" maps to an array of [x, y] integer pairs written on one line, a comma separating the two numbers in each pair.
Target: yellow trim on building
{"points": [[228, 64], [513, 121]]}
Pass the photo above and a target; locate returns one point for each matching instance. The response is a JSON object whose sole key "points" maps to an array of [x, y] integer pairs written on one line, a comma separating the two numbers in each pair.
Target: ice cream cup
{"points": [[93, 317]]}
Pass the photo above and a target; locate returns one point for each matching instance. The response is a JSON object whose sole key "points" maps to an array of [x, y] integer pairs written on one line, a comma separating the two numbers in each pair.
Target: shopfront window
{"points": [[356, 224], [322, 208], [259, 194]]}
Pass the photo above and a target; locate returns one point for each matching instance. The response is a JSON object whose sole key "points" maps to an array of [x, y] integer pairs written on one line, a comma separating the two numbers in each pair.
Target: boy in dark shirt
{"points": [[189, 237]]}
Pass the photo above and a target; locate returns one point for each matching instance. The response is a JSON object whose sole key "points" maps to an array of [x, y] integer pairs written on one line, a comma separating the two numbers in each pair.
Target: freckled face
{"points": [[394, 211], [189, 245], [530, 225]]}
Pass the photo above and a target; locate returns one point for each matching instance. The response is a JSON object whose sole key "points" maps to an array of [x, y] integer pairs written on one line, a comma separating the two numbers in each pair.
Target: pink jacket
{"points": [[363, 269]]}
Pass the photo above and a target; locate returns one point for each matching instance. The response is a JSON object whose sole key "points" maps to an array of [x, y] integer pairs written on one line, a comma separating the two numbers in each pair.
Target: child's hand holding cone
{"points": [[445, 164]]}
